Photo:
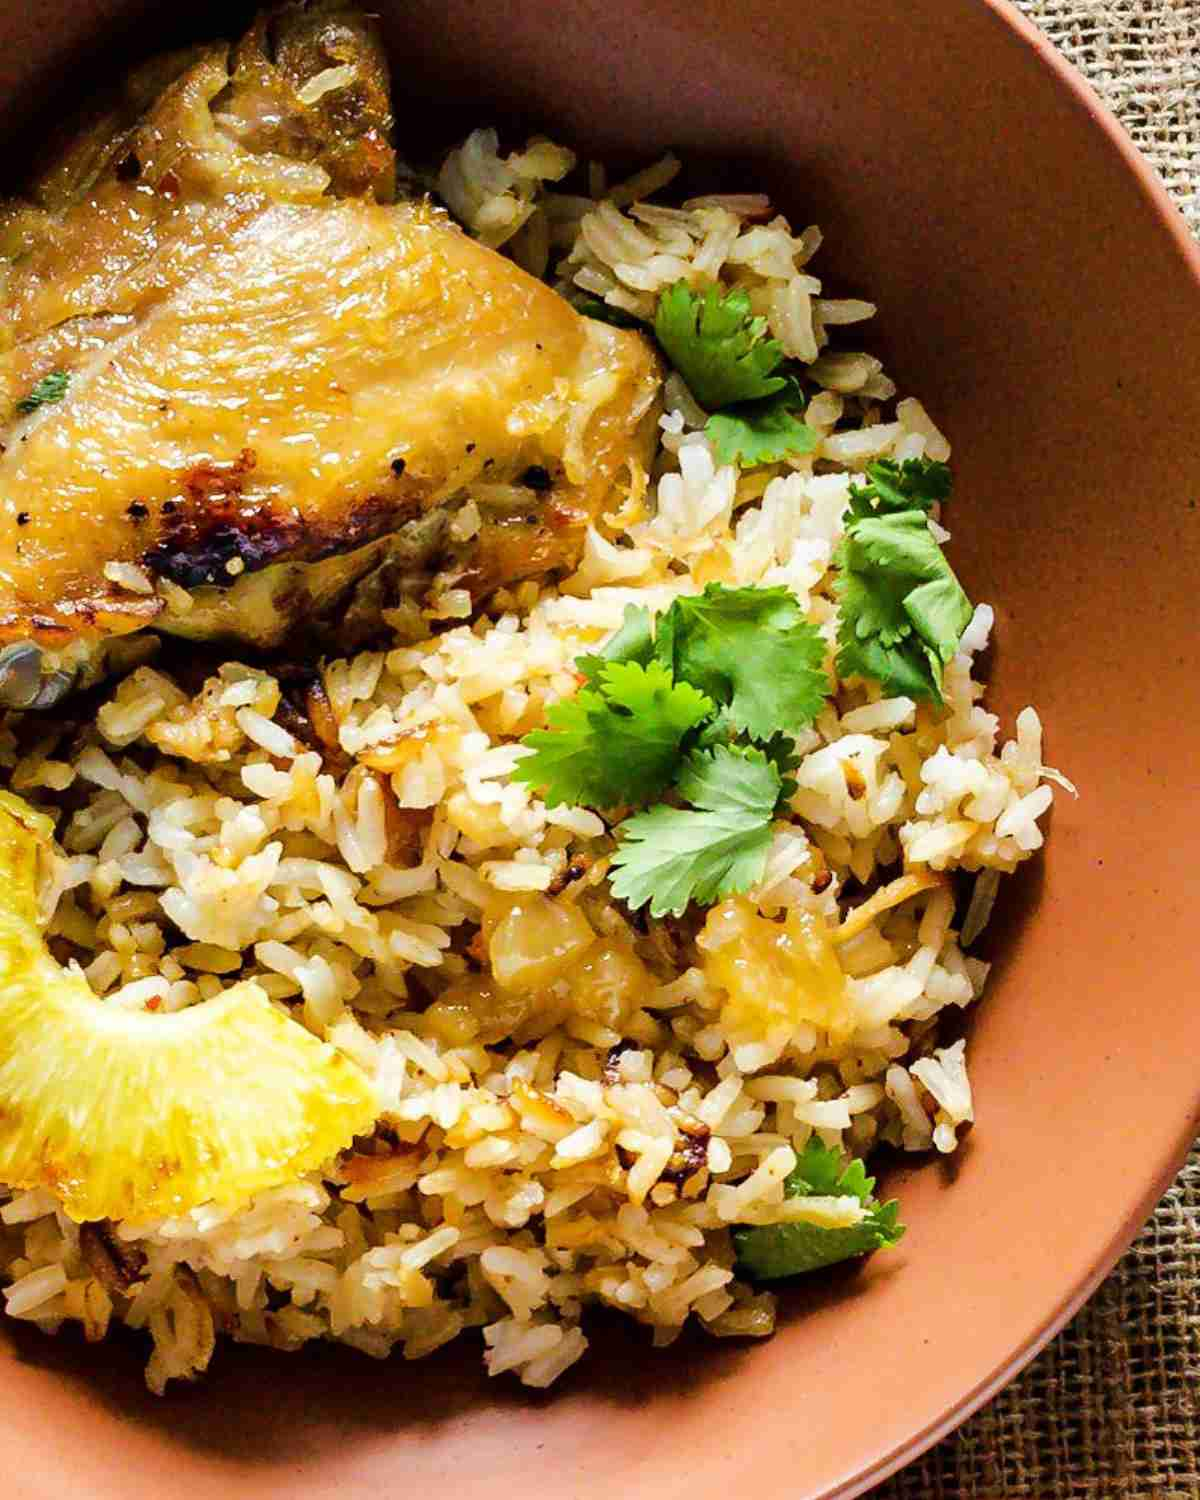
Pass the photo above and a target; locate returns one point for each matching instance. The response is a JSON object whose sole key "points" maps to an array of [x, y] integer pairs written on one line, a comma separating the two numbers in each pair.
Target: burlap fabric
{"points": [[1111, 1410]]}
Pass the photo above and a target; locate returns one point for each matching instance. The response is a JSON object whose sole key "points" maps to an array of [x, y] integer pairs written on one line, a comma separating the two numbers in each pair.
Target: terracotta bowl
{"points": [[1041, 295]]}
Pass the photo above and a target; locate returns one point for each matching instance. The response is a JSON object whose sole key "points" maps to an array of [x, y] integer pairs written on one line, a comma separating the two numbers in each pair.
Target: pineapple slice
{"points": [[123, 1114]]}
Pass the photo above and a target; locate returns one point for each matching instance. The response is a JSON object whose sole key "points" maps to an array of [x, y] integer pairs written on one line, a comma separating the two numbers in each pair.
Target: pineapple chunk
{"points": [[122, 1114], [777, 975]]}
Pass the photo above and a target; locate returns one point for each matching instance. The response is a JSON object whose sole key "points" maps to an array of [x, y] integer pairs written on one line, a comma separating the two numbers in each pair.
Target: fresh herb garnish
{"points": [[718, 846], [903, 611], [634, 641], [761, 432], [706, 704], [718, 345], [734, 370], [769, 1252], [49, 389], [675, 708], [752, 651], [616, 743], [915, 484]]}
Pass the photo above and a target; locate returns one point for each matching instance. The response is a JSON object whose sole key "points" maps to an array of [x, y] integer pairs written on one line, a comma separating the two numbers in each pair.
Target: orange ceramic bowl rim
{"points": [[1173, 223]]}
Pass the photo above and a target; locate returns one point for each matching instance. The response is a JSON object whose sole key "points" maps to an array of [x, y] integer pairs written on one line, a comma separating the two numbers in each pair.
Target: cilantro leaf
{"points": [[768, 1252], [633, 641], [761, 432], [888, 556], [819, 1172], [780, 749], [718, 346], [617, 743], [750, 649], [672, 855], [907, 671], [902, 609], [49, 389], [916, 484], [720, 730]]}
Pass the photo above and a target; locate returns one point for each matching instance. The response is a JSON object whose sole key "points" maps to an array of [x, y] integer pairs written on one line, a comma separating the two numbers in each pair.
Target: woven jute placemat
{"points": [[1111, 1409]]}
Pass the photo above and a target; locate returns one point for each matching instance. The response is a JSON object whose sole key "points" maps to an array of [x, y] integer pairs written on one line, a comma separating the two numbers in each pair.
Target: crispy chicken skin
{"points": [[281, 379]]}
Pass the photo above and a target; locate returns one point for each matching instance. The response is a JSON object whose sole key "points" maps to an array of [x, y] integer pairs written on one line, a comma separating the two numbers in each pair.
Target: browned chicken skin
{"points": [[283, 385]]}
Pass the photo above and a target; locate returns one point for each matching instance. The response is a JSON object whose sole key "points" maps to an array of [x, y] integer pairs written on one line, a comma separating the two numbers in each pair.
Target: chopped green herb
{"points": [[673, 707], [634, 641], [751, 650], [617, 743], [718, 346], [761, 432], [916, 484], [717, 847], [780, 750], [903, 611], [49, 389], [769, 1252]]}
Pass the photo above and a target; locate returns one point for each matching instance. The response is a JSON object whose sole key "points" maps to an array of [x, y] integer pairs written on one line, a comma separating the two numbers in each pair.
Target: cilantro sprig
{"points": [[761, 432], [718, 846], [752, 651], [718, 345], [903, 611], [634, 641], [617, 743], [915, 484], [704, 707], [770, 1252], [721, 349]]}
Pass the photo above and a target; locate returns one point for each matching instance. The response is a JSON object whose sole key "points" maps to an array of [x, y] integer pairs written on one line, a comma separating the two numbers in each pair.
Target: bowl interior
{"points": [[1035, 294]]}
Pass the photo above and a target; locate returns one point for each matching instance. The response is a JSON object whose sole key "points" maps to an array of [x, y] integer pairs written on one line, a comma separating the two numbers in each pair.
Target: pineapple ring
{"points": [[122, 1114]]}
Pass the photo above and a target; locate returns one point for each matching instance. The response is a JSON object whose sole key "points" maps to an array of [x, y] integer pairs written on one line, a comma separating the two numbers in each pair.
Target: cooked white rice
{"points": [[602, 1154]]}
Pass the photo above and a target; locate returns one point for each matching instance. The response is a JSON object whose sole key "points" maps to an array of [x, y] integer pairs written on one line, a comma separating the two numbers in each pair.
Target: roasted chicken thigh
{"points": [[247, 390]]}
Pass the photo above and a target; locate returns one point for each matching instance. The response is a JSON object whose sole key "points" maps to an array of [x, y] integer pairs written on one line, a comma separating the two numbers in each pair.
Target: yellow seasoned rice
{"points": [[594, 1146]]}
